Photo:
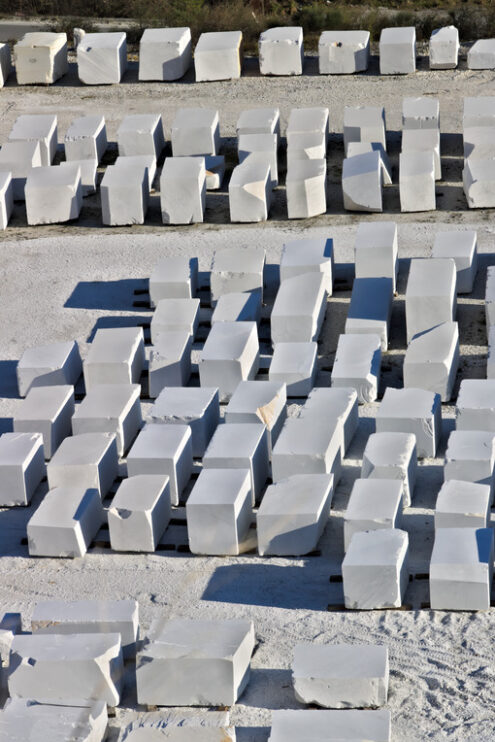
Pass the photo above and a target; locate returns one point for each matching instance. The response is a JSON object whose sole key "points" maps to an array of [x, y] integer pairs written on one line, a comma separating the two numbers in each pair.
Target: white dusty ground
{"points": [[64, 282]]}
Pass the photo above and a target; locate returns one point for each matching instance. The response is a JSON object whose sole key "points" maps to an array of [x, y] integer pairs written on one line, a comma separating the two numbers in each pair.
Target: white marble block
{"points": [[281, 51], [398, 51], [475, 409], [5, 63], [183, 190], [424, 140], [481, 56], [308, 255], [362, 179], [102, 58], [140, 167], [218, 55], [461, 569], [299, 309], [370, 308], [293, 514], [176, 315], [86, 139], [478, 179], [6, 198], [330, 726], [470, 457], [430, 294], [140, 512], [341, 676], [417, 181], [49, 365], [173, 277], [23, 720], [47, 410], [237, 269], [169, 361], [238, 307], [89, 460], [338, 408], [422, 112], [479, 111], [376, 251], [124, 195], [40, 128], [88, 170], [373, 504], [432, 360], [230, 355], [462, 505], [306, 188], [66, 522], [265, 147], [444, 48], [259, 401], [141, 134], [462, 247], [478, 143], [343, 52], [312, 120], [357, 364], [490, 299], [259, 121], [364, 124], [116, 356], [306, 145], [250, 189], [22, 467], [362, 148], [295, 365], [164, 53], [392, 456], [19, 159], [195, 131], [40, 58], [308, 445], [53, 194], [218, 511], [417, 411]]}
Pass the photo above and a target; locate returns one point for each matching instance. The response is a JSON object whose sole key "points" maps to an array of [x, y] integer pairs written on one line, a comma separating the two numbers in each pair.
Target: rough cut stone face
{"points": [[40, 128], [481, 56], [40, 58], [376, 251], [343, 52], [183, 190], [218, 56], [22, 467], [102, 58], [475, 409], [327, 726], [176, 315], [299, 309], [420, 113], [470, 457], [412, 410], [370, 308], [238, 307], [259, 401], [490, 299], [306, 188], [124, 194], [432, 360], [164, 53], [116, 356], [23, 720], [478, 179], [53, 194], [176, 727], [140, 513], [364, 124], [392, 456], [250, 189], [309, 255], [398, 51], [141, 134], [462, 505], [444, 48], [430, 294], [170, 361], [195, 131], [281, 51], [462, 247], [424, 140], [357, 364], [479, 111], [86, 138], [265, 146], [237, 269], [295, 365], [373, 504]]}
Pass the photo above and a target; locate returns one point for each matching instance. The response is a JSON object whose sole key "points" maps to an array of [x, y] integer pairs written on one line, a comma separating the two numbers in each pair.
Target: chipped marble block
{"points": [[362, 180], [22, 467], [362, 148], [417, 181], [5, 63], [40, 58], [48, 411], [313, 120], [308, 445], [88, 170], [299, 309], [462, 505], [141, 134], [375, 569], [461, 246], [192, 662], [116, 356], [357, 365], [265, 144], [478, 177], [174, 277], [370, 308], [293, 514], [218, 55], [140, 512], [416, 411], [197, 407], [215, 171], [479, 111], [365, 124], [461, 569], [338, 408], [49, 365], [259, 401], [470, 457], [183, 190], [230, 355], [420, 113], [343, 52], [281, 51], [89, 460], [169, 361], [481, 56], [40, 128], [490, 359], [86, 139], [398, 51], [306, 145], [124, 195], [376, 251], [238, 307], [66, 522], [241, 446], [309, 255], [19, 159], [102, 58], [23, 720], [432, 360], [67, 670], [392, 456], [430, 294], [341, 676], [163, 450], [237, 269], [330, 726], [373, 504], [176, 727], [490, 299], [295, 365], [53, 194], [6, 198], [218, 511], [306, 188], [475, 409], [424, 140], [195, 131], [444, 48], [259, 121], [164, 53], [250, 189], [176, 315]]}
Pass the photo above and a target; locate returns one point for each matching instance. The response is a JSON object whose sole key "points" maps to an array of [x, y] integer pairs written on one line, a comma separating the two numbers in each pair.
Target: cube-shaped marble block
{"points": [[116, 356], [164, 53], [306, 188], [306, 145], [259, 401], [341, 676], [432, 360], [53, 194], [238, 307], [309, 255], [141, 134], [313, 120], [430, 294], [138, 166], [86, 139], [102, 58], [49, 365], [417, 181], [475, 409], [461, 246], [88, 169], [230, 355], [40, 128], [6, 198], [376, 251], [470, 457], [338, 407], [478, 179], [237, 269], [124, 195], [375, 569], [462, 505], [479, 111], [193, 662], [183, 190], [89, 460], [308, 445], [140, 512], [490, 299], [19, 159], [364, 124], [169, 361], [40, 58], [22, 719], [461, 569], [5, 63], [197, 407], [362, 148], [218, 511], [343, 52], [195, 131], [174, 277], [281, 51], [398, 51], [357, 365], [295, 365], [478, 143], [392, 456], [22, 467], [420, 113], [175, 314], [259, 121], [218, 56], [66, 522], [47, 410], [424, 140], [370, 308], [481, 56], [373, 504], [263, 144], [250, 189], [444, 48], [299, 309], [327, 726], [411, 410], [293, 514], [67, 670], [362, 178], [490, 359]]}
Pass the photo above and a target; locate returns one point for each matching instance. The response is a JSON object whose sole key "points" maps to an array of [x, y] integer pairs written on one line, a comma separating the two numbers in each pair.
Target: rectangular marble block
{"points": [[444, 48], [308, 255], [462, 505], [86, 139], [420, 113], [281, 51], [140, 512], [124, 194], [267, 144], [339, 407], [138, 167], [370, 308], [19, 159], [89, 460], [6, 198], [259, 401], [362, 179], [479, 111], [412, 410], [478, 179], [373, 504], [392, 456], [461, 246], [49, 365], [314, 120], [330, 726], [306, 145], [481, 56], [238, 307], [417, 181], [376, 251], [343, 52], [40, 128], [398, 51], [430, 294], [364, 124], [299, 309], [470, 457], [47, 410], [169, 361], [23, 719], [357, 364], [250, 189], [295, 365], [116, 356], [40, 58], [53, 194], [141, 134], [308, 445], [183, 190], [22, 467], [259, 121], [237, 269], [424, 140], [361, 148], [195, 131], [475, 409], [306, 188], [175, 315], [230, 355], [174, 277], [102, 58], [164, 53], [218, 56], [432, 360], [478, 143]]}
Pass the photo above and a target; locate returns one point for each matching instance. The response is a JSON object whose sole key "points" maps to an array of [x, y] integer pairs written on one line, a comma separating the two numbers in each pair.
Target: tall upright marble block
{"points": [[102, 58], [88, 170], [343, 52], [281, 51], [330, 726], [308, 255], [218, 56], [424, 140], [40, 58], [49, 365], [444, 48], [164, 53], [53, 194], [299, 309], [86, 138], [373, 504], [22, 467], [376, 251], [398, 51], [470, 457], [365, 124], [475, 409], [183, 190], [259, 121], [37, 127], [338, 407], [116, 356], [47, 410], [259, 401], [141, 134], [173, 277], [195, 131], [88, 460], [6, 198], [461, 246], [392, 456], [237, 269], [170, 361], [478, 179], [140, 512], [265, 146], [432, 360], [22, 719], [362, 178], [250, 189], [295, 365], [462, 505], [412, 410], [306, 188], [357, 364], [422, 112], [5, 63], [230, 355], [124, 195], [370, 308], [19, 159], [481, 56], [140, 167], [175, 314], [417, 181], [430, 294]]}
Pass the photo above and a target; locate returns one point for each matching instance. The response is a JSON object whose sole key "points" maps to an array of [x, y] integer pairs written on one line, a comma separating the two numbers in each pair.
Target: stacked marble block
{"points": [[479, 152], [419, 162], [40, 58], [307, 138], [365, 167]]}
